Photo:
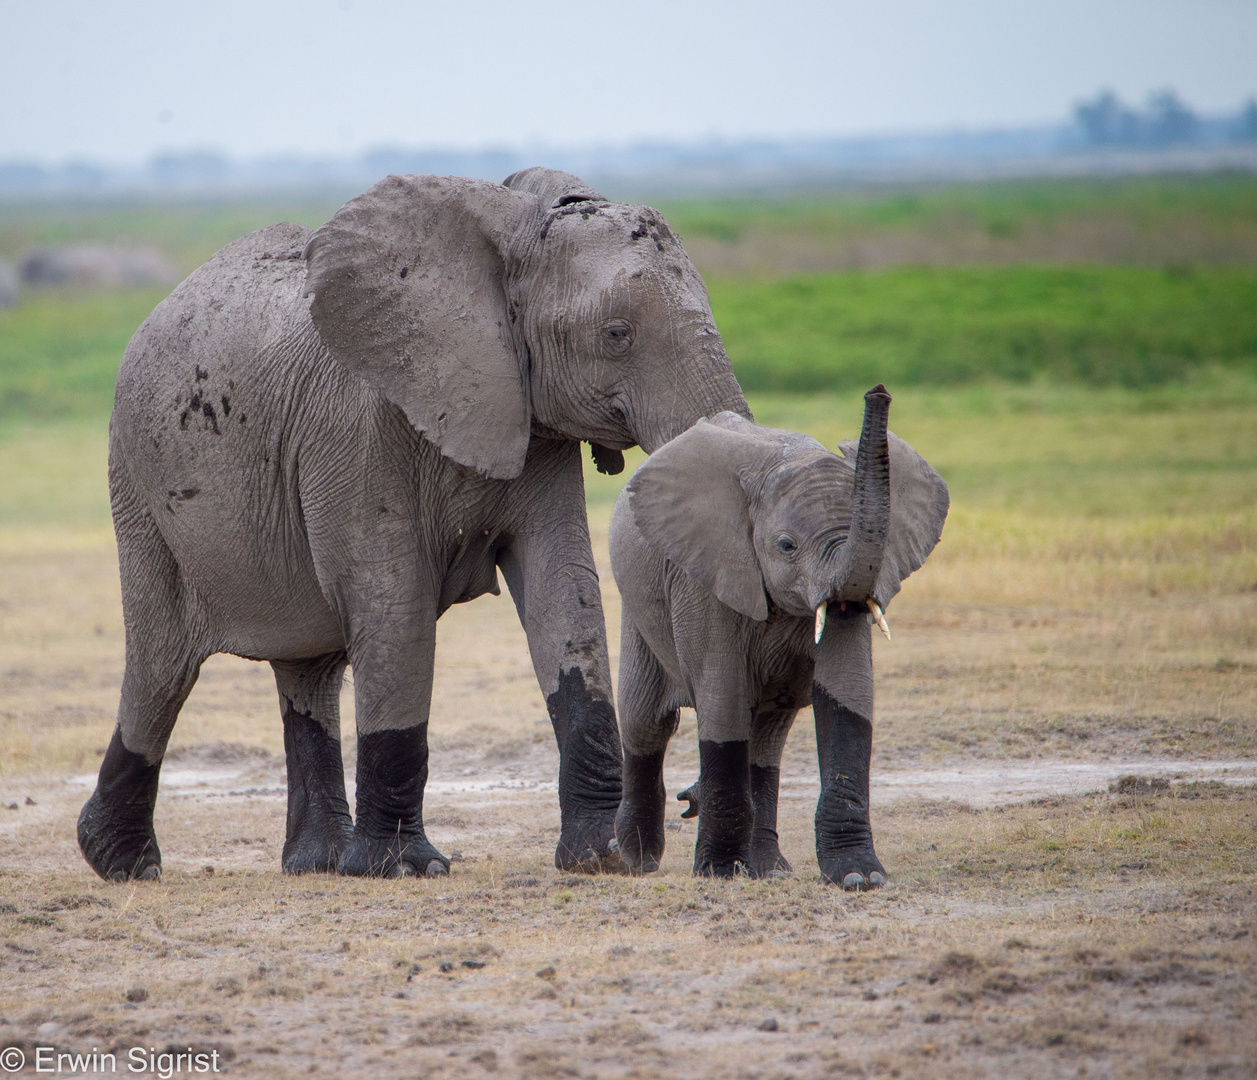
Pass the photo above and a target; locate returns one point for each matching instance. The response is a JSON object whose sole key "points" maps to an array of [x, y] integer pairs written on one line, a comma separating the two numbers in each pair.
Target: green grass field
{"points": [[906, 327], [1001, 209], [1109, 318], [1134, 326]]}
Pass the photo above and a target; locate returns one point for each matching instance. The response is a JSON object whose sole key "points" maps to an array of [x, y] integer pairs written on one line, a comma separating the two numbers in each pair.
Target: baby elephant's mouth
{"points": [[874, 610]]}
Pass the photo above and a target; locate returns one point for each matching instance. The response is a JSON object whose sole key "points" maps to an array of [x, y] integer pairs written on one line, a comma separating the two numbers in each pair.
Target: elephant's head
{"points": [[755, 513], [488, 312]]}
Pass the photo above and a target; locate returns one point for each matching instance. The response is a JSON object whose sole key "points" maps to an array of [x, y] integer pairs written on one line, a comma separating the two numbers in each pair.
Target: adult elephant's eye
{"points": [[786, 544], [617, 338]]}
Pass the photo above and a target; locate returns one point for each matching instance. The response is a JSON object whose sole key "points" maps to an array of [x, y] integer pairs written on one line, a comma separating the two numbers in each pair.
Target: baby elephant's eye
{"points": [[786, 544]]}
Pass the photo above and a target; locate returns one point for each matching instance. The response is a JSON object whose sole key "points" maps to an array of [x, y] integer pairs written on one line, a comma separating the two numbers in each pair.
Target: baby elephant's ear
{"points": [[918, 508], [688, 501], [409, 288]]}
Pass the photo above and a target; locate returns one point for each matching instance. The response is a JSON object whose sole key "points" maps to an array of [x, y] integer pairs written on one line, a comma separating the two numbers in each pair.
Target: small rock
{"points": [[30, 801], [207, 870], [13, 806], [768, 1025], [446, 967], [473, 964], [137, 994], [457, 856], [400, 996], [546, 973], [49, 1030], [932, 1018], [870, 995]]}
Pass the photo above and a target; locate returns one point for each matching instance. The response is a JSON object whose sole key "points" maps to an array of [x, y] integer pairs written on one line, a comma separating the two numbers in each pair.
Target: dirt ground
{"points": [[1044, 917]]}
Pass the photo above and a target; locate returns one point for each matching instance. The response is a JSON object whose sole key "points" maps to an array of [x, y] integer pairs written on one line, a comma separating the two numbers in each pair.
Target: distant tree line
{"points": [[1166, 120]]}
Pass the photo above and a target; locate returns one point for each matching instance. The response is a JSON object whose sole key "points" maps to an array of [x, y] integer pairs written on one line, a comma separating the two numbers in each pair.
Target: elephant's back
{"points": [[231, 306]]}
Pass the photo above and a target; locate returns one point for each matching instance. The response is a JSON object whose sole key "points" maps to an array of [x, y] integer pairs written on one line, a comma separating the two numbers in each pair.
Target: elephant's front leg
{"points": [[392, 695], [842, 700], [549, 568], [724, 846], [768, 738]]}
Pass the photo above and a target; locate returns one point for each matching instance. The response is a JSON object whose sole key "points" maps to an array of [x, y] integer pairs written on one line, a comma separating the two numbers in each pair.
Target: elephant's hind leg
{"points": [[319, 825], [115, 828], [647, 723]]}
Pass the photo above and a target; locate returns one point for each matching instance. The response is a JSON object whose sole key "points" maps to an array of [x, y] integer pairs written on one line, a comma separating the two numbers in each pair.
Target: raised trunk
{"points": [[860, 558]]}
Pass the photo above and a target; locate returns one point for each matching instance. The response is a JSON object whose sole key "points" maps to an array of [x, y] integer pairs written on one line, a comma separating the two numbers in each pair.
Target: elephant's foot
{"points": [[766, 857], [726, 818], [392, 857], [388, 838], [639, 823], [844, 844], [319, 825], [589, 845], [116, 825], [317, 845], [852, 868], [590, 785]]}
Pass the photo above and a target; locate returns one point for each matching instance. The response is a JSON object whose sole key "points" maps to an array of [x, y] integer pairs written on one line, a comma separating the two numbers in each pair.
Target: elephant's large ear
{"points": [[688, 501], [552, 187], [918, 508], [409, 290]]}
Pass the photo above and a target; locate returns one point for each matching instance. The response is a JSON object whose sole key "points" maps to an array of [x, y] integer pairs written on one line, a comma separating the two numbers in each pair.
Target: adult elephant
{"points": [[320, 441]]}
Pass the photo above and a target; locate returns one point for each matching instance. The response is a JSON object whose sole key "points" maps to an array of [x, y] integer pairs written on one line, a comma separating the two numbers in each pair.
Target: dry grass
{"points": [[1103, 934], [1112, 934]]}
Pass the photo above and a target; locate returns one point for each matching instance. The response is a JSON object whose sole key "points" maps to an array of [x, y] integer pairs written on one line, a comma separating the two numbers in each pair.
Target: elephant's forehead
{"points": [[613, 237], [810, 489]]}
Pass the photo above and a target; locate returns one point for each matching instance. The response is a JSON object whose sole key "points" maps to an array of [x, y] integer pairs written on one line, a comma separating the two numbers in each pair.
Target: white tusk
{"points": [[820, 620], [879, 618]]}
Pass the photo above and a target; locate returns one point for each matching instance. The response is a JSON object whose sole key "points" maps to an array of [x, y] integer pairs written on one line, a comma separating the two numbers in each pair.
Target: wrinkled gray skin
{"points": [[321, 441], [723, 545]]}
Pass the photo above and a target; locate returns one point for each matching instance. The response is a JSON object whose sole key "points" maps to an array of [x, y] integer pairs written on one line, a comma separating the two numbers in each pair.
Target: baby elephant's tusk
{"points": [[879, 618], [820, 620]]}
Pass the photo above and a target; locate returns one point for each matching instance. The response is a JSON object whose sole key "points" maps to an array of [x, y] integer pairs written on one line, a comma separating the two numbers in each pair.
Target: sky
{"points": [[120, 80]]}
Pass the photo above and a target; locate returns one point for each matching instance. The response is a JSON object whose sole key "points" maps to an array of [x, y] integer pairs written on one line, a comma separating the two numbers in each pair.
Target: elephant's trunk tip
{"points": [[878, 393]]}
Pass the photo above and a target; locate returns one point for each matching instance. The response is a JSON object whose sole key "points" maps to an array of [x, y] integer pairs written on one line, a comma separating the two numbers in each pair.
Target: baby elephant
{"points": [[751, 563]]}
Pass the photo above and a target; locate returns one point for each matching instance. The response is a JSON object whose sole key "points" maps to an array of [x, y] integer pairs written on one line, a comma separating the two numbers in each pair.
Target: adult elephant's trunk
{"points": [[860, 558]]}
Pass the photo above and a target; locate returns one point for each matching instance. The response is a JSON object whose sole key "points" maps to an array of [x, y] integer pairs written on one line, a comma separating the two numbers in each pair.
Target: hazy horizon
{"points": [[123, 83]]}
